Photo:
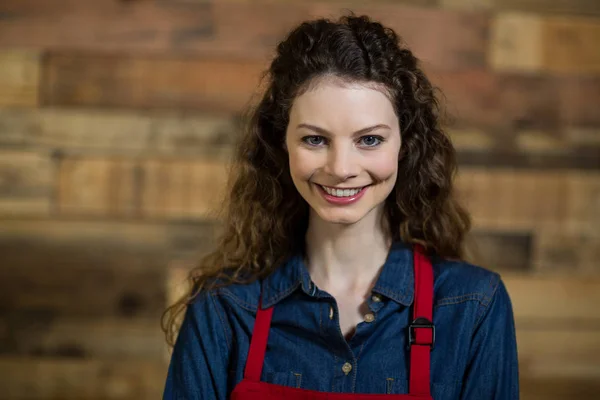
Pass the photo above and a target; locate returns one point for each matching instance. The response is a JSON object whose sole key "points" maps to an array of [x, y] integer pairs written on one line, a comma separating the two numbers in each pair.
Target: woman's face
{"points": [[343, 144]]}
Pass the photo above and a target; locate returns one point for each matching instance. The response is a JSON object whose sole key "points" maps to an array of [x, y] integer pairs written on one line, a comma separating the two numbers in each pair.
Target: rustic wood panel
{"points": [[455, 39], [567, 250], [102, 25], [19, 78], [97, 269], [154, 188], [564, 357], [116, 81], [558, 388], [518, 200], [99, 187], [525, 42], [554, 301], [575, 7], [562, 343], [179, 189], [578, 7], [27, 182], [40, 378], [516, 102], [29, 334], [475, 98], [501, 251], [92, 132]]}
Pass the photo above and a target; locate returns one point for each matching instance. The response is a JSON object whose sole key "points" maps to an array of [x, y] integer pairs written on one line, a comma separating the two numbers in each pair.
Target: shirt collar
{"points": [[396, 280]]}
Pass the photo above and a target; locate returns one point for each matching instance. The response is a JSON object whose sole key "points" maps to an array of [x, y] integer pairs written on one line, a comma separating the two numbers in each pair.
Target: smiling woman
{"points": [[358, 148], [339, 274]]}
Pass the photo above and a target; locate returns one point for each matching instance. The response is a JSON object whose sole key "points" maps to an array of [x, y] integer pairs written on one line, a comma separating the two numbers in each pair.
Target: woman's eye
{"points": [[314, 140], [371, 141]]}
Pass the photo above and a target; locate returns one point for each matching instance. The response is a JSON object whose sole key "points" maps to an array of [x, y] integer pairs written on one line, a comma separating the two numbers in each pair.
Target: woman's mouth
{"points": [[342, 196], [342, 192]]}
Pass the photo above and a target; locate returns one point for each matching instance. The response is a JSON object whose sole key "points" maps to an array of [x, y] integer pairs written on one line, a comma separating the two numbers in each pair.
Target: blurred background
{"points": [[116, 123]]}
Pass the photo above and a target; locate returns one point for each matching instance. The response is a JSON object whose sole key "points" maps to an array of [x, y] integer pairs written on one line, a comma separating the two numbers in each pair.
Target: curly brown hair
{"points": [[264, 218]]}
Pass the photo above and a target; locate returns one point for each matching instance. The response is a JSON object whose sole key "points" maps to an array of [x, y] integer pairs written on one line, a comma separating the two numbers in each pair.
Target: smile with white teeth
{"points": [[341, 192]]}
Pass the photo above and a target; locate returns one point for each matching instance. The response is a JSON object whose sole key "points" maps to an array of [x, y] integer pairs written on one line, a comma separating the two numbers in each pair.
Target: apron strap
{"points": [[421, 332], [258, 343]]}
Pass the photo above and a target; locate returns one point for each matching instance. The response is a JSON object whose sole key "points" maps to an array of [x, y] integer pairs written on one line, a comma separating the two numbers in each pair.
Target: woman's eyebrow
{"points": [[358, 132]]}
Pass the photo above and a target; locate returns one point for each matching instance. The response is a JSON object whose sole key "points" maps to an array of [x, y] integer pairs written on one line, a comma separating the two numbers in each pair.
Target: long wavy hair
{"points": [[264, 219]]}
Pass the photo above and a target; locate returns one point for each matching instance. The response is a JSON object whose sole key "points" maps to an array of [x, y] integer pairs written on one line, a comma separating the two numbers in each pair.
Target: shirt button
{"points": [[376, 298], [347, 368], [369, 317]]}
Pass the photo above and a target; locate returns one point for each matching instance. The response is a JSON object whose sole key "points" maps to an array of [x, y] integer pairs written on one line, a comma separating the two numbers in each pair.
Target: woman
{"points": [[339, 271]]}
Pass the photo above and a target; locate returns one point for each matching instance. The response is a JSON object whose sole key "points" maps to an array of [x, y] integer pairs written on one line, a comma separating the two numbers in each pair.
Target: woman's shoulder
{"points": [[227, 294], [460, 281]]}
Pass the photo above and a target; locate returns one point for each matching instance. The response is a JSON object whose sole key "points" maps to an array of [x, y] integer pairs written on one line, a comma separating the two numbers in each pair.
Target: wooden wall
{"points": [[116, 118]]}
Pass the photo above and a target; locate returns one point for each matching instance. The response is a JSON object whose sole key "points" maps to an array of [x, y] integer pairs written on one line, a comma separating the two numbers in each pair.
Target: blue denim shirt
{"points": [[475, 354]]}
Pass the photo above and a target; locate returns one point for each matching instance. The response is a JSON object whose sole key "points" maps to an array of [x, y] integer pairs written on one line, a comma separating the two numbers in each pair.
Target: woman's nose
{"points": [[341, 163]]}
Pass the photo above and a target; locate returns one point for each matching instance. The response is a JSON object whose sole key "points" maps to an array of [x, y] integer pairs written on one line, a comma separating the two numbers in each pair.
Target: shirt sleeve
{"points": [[199, 364], [492, 370]]}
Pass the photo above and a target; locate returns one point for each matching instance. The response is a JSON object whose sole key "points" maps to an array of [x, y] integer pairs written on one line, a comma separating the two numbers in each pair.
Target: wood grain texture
{"points": [[526, 42], [27, 180], [55, 378], [575, 7], [501, 251], [473, 97], [19, 78], [30, 334], [573, 300], [149, 188], [102, 25], [516, 102], [212, 85], [106, 133], [91, 269], [455, 39]]}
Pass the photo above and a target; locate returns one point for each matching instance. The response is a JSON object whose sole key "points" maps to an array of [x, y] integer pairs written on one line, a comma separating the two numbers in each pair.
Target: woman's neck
{"points": [[347, 258]]}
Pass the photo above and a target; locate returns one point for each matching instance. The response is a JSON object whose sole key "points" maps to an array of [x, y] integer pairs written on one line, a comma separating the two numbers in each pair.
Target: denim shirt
{"points": [[474, 357]]}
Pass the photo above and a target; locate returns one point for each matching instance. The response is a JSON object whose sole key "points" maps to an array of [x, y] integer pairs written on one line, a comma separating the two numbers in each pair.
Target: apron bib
{"points": [[421, 333]]}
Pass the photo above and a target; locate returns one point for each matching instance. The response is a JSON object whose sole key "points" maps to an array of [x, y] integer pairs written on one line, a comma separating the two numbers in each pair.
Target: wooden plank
{"points": [[501, 102], [102, 25], [162, 188], [517, 200], [19, 78], [99, 269], [83, 132], [453, 40], [559, 344], [525, 42], [99, 186], [26, 183], [575, 7], [212, 85], [40, 378], [567, 250], [507, 102], [476, 98], [26, 334], [563, 356], [554, 299], [553, 388], [179, 189], [501, 251]]}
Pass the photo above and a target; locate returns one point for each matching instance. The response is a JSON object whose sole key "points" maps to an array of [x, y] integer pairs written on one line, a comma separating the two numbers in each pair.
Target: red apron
{"points": [[421, 338]]}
